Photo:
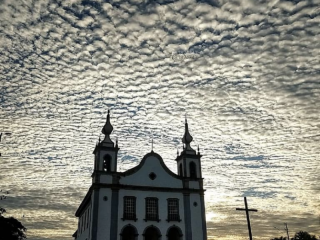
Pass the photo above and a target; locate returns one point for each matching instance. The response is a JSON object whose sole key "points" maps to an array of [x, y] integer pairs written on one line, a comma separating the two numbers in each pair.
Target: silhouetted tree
{"points": [[303, 236], [279, 238], [2, 211], [11, 228]]}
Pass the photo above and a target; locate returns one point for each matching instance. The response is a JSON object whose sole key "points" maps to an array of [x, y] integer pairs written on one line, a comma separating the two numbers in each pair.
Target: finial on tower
{"points": [[187, 138], [107, 129]]}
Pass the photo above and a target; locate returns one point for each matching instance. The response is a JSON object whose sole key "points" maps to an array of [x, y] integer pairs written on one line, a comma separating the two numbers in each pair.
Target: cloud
{"points": [[245, 73]]}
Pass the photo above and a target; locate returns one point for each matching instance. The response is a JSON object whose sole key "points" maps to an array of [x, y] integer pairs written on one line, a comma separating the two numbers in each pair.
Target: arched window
{"points": [[152, 233], [174, 233], [193, 170], [129, 232], [107, 163], [180, 170]]}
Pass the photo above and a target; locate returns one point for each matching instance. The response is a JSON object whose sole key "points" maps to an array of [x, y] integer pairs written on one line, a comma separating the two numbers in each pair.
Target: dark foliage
{"points": [[279, 238], [2, 211], [299, 236], [11, 228], [303, 236]]}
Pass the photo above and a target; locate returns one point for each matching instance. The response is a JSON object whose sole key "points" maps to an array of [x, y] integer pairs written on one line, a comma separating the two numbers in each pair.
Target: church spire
{"points": [[107, 129], [187, 138]]}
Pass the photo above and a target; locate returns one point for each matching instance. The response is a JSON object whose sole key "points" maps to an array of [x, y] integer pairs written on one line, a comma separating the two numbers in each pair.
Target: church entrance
{"points": [[152, 233], [128, 233], [174, 233]]}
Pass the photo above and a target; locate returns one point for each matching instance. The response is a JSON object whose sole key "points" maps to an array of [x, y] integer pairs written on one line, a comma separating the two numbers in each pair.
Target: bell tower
{"points": [[189, 169], [188, 162], [106, 153]]}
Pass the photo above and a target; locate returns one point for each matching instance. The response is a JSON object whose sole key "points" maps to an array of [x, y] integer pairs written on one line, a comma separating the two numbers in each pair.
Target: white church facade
{"points": [[147, 202]]}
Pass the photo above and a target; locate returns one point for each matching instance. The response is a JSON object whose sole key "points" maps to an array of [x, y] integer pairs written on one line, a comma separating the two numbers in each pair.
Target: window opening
{"points": [[173, 210], [129, 211], [152, 209]]}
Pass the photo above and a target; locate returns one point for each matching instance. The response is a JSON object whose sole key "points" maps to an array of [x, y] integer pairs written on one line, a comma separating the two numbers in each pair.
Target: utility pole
{"points": [[287, 230], [247, 213]]}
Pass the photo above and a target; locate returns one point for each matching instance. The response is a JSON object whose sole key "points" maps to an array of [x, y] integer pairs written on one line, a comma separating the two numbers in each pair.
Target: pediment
{"points": [[153, 172]]}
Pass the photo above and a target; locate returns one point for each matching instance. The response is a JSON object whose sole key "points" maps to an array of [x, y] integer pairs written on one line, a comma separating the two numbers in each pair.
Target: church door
{"points": [[174, 234], [151, 233], [128, 233]]}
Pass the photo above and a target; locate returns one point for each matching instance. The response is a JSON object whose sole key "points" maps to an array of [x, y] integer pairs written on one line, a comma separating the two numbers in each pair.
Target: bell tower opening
{"points": [[107, 163], [193, 170], [180, 170]]}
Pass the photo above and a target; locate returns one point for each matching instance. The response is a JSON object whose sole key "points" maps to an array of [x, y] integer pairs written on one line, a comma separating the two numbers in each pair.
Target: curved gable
{"points": [[152, 172]]}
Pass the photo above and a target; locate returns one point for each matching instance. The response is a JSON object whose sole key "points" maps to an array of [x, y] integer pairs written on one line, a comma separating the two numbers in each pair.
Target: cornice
{"points": [[147, 188]]}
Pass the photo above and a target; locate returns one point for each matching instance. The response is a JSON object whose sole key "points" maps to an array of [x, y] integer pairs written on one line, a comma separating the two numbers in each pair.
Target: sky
{"points": [[245, 73]]}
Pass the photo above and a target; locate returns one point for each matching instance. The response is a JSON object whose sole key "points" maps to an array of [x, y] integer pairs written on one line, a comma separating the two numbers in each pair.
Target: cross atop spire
{"points": [[152, 144], [107, 129]]}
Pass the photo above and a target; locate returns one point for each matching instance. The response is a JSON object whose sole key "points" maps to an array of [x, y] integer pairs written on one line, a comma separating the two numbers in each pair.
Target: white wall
{"points": [[106, 178], [196, 219], [194, 185], [83, 232], [104, 214], [140, 224]]}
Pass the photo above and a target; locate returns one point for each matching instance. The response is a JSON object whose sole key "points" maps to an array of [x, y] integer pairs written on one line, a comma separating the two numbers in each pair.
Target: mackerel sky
{"points": [[245, 73]]}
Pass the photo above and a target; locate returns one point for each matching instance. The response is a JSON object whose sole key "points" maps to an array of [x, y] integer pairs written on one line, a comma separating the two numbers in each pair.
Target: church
{"points": [[146, 202]]}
